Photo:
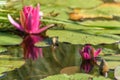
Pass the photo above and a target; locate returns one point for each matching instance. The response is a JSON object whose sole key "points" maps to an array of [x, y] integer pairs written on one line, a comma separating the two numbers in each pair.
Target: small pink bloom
{"points": [[30, 51], [29, 20], [88, 52]]}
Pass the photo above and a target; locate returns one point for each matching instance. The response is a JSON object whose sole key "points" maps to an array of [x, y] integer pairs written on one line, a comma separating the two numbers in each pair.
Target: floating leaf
{"points": [[112, 57], [117, 72], [42, 44], [78, 76], [113, 61], [48, 42], [45, 43], [77, 37], [9, 39], [104, 11], [68, 3], [8, 63]]}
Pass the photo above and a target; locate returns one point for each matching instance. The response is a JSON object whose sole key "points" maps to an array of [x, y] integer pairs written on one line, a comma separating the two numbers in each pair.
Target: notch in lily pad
{"points": [[48, 42], [9, 39]]}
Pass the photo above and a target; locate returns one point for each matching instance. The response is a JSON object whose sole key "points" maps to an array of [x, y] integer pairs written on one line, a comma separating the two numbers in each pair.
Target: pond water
{"points": [[51, 62], [63, 58], [38, 56]]}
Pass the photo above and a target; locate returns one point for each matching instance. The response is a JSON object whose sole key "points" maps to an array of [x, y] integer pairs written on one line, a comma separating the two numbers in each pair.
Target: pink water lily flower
{"points": [[29, 50], [29, 20], [88, 52]]}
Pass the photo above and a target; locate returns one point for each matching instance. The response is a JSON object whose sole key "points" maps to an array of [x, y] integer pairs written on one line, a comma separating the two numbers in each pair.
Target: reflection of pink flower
{"points": [[86, 66], [88, 52], [29, 20], [30, 51]]}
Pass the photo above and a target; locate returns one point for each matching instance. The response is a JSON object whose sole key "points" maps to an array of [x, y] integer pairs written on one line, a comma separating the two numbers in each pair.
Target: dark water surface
{"points": [[52, 62]]}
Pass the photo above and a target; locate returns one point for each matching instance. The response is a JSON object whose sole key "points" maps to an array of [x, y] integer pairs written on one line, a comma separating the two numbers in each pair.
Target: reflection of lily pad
{"points": [[8, 63], [9, 39], [78, 76], [2, 49], [117, 73]]}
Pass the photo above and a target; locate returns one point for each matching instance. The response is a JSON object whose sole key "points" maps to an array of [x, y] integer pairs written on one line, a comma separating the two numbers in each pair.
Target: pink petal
{"points": [[14, 23], [35, 21], [29, 23], [43, 29], [27, 10], [97, 52], [86, 56], [35, 18]]}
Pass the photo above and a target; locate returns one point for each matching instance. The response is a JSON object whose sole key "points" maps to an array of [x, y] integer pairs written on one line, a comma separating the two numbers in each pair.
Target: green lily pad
{"points": [[77, 76], [48, 42], [8, 63], [42, 44], [91, 32], [106, 9], [2, 49], [117, 72], [9, 39], [113, 64], [68, 3], [112, 58], [45, 43], [113, 61], [77, 37]]}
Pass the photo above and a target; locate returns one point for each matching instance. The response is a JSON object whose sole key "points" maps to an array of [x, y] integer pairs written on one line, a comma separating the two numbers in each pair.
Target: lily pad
{"points": [[68, 3], [92, 32], [45, 43], [51, 41], [2, 49], [113, 61], [112, 58], [9, 39], [117, 72], [77, 76], [113, 64], [8, 63], [77, 37]]}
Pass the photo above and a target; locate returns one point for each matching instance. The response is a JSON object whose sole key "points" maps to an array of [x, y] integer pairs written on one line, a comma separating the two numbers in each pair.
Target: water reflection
{"points": [[30, 51], [65, 56], [87, 66], [89, 58], [52, 62]]}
